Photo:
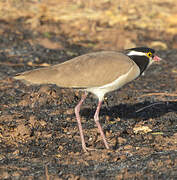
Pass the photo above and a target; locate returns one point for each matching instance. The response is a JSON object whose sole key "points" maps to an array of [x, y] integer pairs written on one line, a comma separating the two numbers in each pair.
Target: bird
{"points": [[96, 72]]}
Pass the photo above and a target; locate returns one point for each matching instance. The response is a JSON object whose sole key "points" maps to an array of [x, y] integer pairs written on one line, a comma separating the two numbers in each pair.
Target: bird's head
{"points": [[144, 52], [142, 56]]}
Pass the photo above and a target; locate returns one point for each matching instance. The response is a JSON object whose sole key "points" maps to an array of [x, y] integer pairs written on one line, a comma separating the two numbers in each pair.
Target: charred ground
{"points": [[39, 136]]}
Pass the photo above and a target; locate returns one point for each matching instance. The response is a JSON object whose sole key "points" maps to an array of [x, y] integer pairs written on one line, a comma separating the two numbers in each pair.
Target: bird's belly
{"points": [[118, 83]]}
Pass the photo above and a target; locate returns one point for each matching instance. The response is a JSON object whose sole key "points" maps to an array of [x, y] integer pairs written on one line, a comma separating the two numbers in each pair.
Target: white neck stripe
{"points": [[131, 53]]}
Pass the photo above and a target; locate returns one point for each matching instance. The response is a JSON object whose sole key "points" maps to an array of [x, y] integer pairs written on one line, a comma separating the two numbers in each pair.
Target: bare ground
{"points": [[39, 138]]}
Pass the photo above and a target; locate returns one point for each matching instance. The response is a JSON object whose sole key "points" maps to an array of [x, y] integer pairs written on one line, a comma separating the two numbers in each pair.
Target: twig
{"points": [[10, 64], [159, 94], [149, 106]]}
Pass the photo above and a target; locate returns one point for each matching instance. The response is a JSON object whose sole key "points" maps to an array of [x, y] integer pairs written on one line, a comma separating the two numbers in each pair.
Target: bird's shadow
{"points": [[144, 110]]}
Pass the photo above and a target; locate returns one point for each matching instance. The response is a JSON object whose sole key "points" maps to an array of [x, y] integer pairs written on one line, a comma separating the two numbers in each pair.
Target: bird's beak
{"points": [[156, 58]]}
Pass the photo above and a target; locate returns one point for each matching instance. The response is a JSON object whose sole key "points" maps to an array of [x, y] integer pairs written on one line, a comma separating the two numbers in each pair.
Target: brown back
{"points": [[89, 70]]}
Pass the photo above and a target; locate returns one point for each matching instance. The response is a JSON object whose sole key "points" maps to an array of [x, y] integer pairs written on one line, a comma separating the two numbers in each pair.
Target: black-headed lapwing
{"points": [[97, 72]]}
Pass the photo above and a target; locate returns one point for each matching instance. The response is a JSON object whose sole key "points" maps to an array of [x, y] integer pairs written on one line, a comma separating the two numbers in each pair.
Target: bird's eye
{"points": [[149, 54]]}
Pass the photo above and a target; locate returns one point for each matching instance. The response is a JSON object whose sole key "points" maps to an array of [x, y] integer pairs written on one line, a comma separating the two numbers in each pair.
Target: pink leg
{"points": [[96, 117], [77, 110]]}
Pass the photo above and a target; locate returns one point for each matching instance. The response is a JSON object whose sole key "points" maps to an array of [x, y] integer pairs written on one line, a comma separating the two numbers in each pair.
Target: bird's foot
{"points": [[86, 149]]}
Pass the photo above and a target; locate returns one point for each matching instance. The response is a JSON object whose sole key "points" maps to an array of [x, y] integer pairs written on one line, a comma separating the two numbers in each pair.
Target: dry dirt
{"points": [[39, 138]]}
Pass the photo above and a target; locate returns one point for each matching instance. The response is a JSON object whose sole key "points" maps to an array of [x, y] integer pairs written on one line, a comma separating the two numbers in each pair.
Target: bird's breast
{"points": [[132, 74]]}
